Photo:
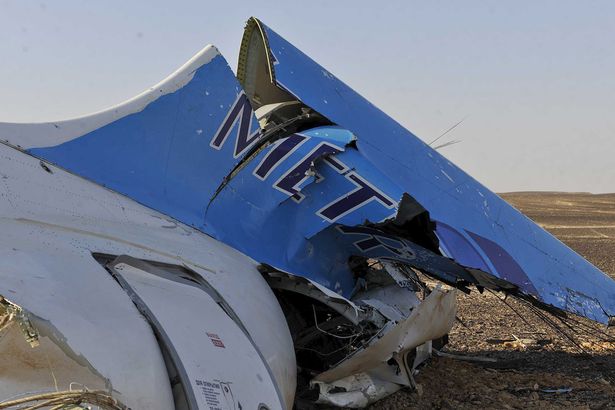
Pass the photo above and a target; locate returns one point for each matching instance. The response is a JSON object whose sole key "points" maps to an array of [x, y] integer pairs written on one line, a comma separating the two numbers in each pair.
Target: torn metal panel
{"points": [[68, 399], [298, 284], [344, 347], [75, 315], [291, 181], [362, 389], [534, 261], [394, 298], [10, 313], [385, 360], [431, 319], [355, 391], [322, 189], [36, 359]]}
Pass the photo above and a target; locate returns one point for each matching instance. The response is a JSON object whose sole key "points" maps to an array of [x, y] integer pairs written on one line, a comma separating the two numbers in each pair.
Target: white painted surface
{"points": [[361, 390], [208, 343], [52, 222], [431, 319]]}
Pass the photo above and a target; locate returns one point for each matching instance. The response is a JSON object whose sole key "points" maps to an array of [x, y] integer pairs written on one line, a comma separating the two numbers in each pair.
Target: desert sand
{"points": [[537, 366]]}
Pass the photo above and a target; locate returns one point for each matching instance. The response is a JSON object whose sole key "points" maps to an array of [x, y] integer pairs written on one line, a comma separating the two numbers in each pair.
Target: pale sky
{"points": [[534, 80]]}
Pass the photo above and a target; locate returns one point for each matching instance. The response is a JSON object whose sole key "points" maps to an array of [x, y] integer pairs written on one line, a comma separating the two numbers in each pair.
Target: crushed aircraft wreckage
{"points": [[249, 241]]}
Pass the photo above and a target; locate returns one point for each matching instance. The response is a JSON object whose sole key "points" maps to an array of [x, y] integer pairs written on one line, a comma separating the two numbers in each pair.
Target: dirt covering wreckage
{"points": [[258, 241]]}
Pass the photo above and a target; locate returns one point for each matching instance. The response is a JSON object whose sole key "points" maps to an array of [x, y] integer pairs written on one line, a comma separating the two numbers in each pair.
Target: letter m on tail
{"points": [[240, 113]]}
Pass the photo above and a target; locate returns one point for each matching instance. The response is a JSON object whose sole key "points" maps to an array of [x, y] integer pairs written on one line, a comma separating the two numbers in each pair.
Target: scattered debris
{"points": [[69, 399], [557, 391], [466, 358]]}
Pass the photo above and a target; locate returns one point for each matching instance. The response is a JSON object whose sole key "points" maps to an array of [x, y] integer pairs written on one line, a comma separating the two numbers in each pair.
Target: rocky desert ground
{"points": [[517, 359]]}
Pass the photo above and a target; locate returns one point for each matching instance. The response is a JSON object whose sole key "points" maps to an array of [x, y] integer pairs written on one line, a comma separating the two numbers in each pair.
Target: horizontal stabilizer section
{"points": [[168, 148]]}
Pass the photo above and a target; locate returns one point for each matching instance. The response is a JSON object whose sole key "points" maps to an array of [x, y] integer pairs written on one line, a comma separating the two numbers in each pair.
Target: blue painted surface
{"points": [[450, 195], [278, 228], [460, 248], [173, 155], [161, 156]]}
